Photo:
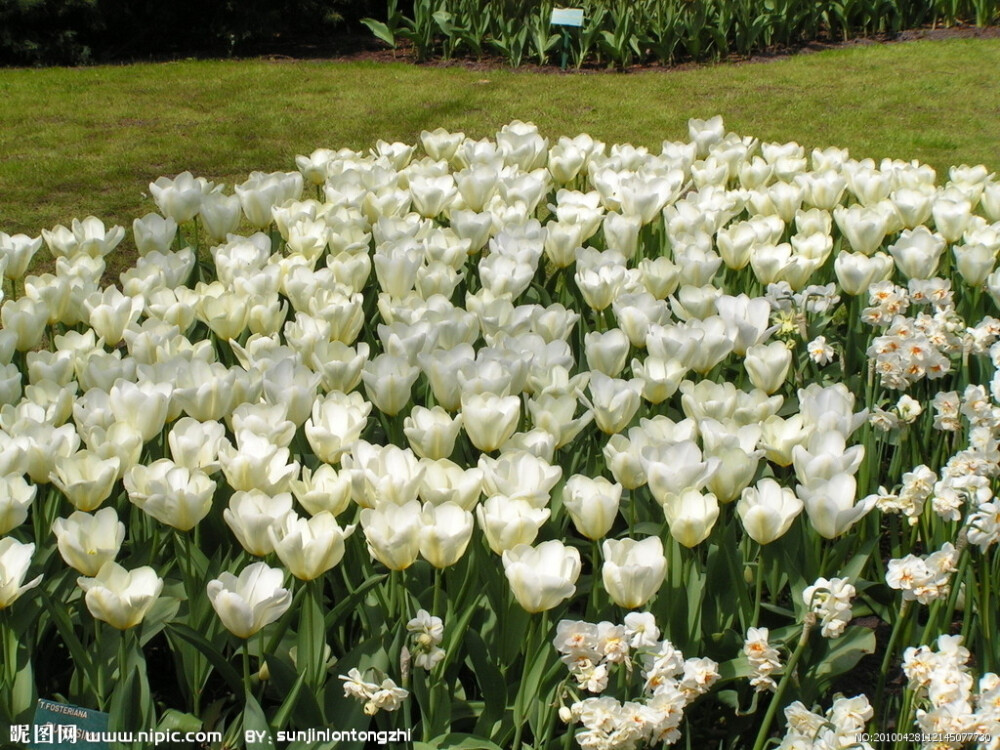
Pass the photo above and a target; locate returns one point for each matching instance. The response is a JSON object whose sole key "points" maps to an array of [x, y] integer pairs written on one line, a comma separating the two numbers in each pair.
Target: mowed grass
{"points": [[75, 142]]}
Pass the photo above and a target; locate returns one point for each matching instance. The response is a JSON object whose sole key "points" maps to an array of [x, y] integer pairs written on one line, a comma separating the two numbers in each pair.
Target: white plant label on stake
{"points": [[567, 17]]}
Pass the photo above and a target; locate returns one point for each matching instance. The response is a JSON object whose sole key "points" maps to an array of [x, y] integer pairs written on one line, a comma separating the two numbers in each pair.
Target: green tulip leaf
{"points": [[210, 652]]}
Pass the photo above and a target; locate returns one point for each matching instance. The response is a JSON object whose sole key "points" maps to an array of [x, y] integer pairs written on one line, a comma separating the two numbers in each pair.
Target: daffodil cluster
{"points": [[831, 601], [763, 657], [669, 682], [376, 696], [949, 700], [426, 632], [843, 725]]}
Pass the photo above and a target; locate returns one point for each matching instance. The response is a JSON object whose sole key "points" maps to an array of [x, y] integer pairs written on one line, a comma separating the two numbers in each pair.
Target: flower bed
{"points": [[510, 442]]}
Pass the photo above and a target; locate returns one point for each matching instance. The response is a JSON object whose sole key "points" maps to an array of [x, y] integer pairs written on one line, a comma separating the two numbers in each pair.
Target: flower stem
{"points": [[772, 707], [897, 628], [246, 667]]}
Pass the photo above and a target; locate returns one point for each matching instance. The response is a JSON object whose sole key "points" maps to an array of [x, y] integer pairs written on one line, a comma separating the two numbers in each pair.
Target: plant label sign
{"points": [[567, 17], [63, 725]]}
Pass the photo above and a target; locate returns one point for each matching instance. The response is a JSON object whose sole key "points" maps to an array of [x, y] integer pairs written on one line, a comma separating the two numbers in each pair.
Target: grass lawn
{"points": [[85, 141]]}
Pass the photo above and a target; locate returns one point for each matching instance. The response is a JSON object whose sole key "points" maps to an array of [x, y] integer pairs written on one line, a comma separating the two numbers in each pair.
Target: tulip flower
{"points": [[445, 481], [779, 436], [856, 272], [257, 464], [26, 319], [691, 516], [260, 192], [180, 198], [308, 547], [142, 405], [247, 603], [519, 474], [825, 456], [111, 312], [445, 533], [153, 233], [336, 423], [393, 533], [674, 468], [974, 262], [917, 252], [544, 576], [864, 227], [606, 352], [121, 597], [633, 570], [592, 504], [16, 496], [15, 558], [171, 494], [18, 250], [85, 478], [322, 490], [613, 401], [431, 432], [383, 474], [951, 215], [220, 215], [767, 510], [440, 144], [196, 444], [767, 365], [85, 238], [250, 516], [831, 505], [88, 541], [388, 380], [489, 419], [736, 450]]}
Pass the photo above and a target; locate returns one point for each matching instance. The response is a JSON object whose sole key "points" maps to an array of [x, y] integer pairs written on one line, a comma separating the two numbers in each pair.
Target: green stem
{"points": [[897, 628], [8, 666], [758, 592], [904, 719], [99, 669], [122, 653], [246, 667], [519, 701], [773, 706]]}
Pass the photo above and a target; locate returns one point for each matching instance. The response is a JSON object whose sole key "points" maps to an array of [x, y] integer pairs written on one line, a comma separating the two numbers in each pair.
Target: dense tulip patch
{"points": [[515, 443]]}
